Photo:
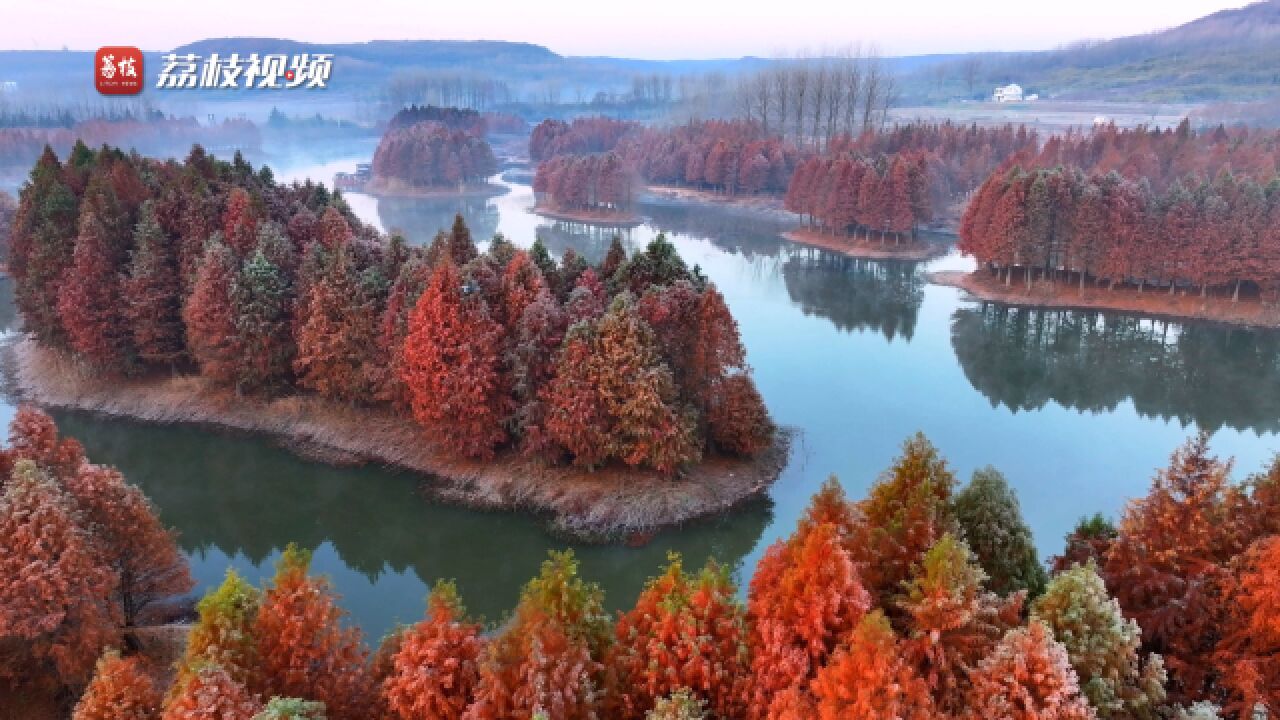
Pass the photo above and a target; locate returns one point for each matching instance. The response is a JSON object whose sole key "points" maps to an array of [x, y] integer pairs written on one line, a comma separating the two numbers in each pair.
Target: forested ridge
{"points": [[267, 288], [925, 599]]}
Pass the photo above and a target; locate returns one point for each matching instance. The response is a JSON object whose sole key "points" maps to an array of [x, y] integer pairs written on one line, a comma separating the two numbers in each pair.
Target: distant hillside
{"points": [[1229, 55]]}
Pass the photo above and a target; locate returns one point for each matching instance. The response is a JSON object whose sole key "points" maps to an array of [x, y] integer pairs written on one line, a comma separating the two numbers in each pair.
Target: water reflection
{"points": [[242, 499], [420, 218], [737, 231], [855, 295], [1208, 375]]}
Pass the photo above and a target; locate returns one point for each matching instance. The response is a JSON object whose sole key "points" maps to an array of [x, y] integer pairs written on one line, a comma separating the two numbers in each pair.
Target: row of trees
{"points": [[265, 287], [595, 182], [1203, 233], [814, 101], [843, 194], [730, 156], [429, 154], [923, 600]]}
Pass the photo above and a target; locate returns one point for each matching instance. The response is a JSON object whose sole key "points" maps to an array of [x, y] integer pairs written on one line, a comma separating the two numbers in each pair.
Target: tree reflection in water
{"points": [[1211, 375], [419, 219], [247, 499], [856, 295]]}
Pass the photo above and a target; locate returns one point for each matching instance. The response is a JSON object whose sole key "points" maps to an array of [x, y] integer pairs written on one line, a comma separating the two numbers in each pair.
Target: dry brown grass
{"points": [[617, 219], [1153, 302], [608, 504]]}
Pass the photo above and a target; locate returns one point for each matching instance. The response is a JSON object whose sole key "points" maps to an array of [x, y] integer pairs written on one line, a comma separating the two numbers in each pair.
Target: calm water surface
{"points": [[1077, 409]]}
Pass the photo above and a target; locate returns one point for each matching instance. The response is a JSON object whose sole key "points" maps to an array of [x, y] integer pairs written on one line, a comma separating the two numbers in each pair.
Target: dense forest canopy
{"points": [[431, 155], [275, 288], [924, 599]]}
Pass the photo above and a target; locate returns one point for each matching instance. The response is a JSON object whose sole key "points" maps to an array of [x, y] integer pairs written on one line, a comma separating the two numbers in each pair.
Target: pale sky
{"points": [[656, 29]]}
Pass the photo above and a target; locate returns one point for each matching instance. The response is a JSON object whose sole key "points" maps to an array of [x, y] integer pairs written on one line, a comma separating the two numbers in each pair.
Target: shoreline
{"points": [[603, 220], [604, 506], [852, 247], [1157, 303]]}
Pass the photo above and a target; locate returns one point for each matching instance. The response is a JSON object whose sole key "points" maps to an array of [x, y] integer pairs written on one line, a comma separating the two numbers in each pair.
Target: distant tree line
{"points": [[137, 266], [20, 147], [1168, 208], [447, 88]]}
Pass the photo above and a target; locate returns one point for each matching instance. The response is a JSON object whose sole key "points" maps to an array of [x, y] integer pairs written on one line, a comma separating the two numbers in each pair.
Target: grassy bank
{"points": [[612, 504]]}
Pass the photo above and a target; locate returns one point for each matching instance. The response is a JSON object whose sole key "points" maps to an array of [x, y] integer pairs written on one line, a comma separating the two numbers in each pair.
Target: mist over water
{"points": [[1077, 409]]}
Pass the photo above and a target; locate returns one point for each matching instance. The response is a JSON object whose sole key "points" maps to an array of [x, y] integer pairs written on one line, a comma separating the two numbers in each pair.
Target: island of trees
{"points": [[1134, 211], [140, 269], [433, 149], [923, 600]]}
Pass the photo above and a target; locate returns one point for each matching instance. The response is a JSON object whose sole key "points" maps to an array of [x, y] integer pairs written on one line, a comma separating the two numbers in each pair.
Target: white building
{"points": [[1008, 94], [8, 86]]}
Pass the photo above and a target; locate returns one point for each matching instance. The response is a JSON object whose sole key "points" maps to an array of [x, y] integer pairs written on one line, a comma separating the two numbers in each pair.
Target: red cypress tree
{"points": [[805, 597], [336, 340], [737, 418], [871, 678], [452, 367], [303, 649], [240, 221], [89, 300], [549, 656], [209, 315], [436, 669], [1027, 677], [150, 573], [153, 293], [209, 693], [1249, 654], [120, 690], [54, 610], [684, 632]]}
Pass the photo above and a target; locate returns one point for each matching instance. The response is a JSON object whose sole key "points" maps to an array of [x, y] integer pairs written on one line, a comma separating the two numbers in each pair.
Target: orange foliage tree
{"points": [[303, 650], [906, 512], [805, 598], [871, 678], [684, 632], [452, 366], [89, 300], [1027, 677], [209, 315], [1249, 655], [55, 615], [1166, 566], [120, 690], [954, 622], [337, 335], [209, 692], [129, 540], [549, 656], [436, 668]]}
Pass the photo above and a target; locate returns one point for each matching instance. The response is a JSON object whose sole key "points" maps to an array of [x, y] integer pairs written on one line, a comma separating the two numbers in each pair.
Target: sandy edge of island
{"points": [[856, 248], [1152, 303], [485, 190], [609, 505]]}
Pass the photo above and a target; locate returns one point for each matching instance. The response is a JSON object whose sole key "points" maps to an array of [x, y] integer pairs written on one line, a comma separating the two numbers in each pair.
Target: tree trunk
{"points": [[1235, 296]]}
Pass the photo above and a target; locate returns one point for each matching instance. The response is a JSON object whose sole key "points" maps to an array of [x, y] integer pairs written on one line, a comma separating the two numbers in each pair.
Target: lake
{"points": [[1076, 409]]}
